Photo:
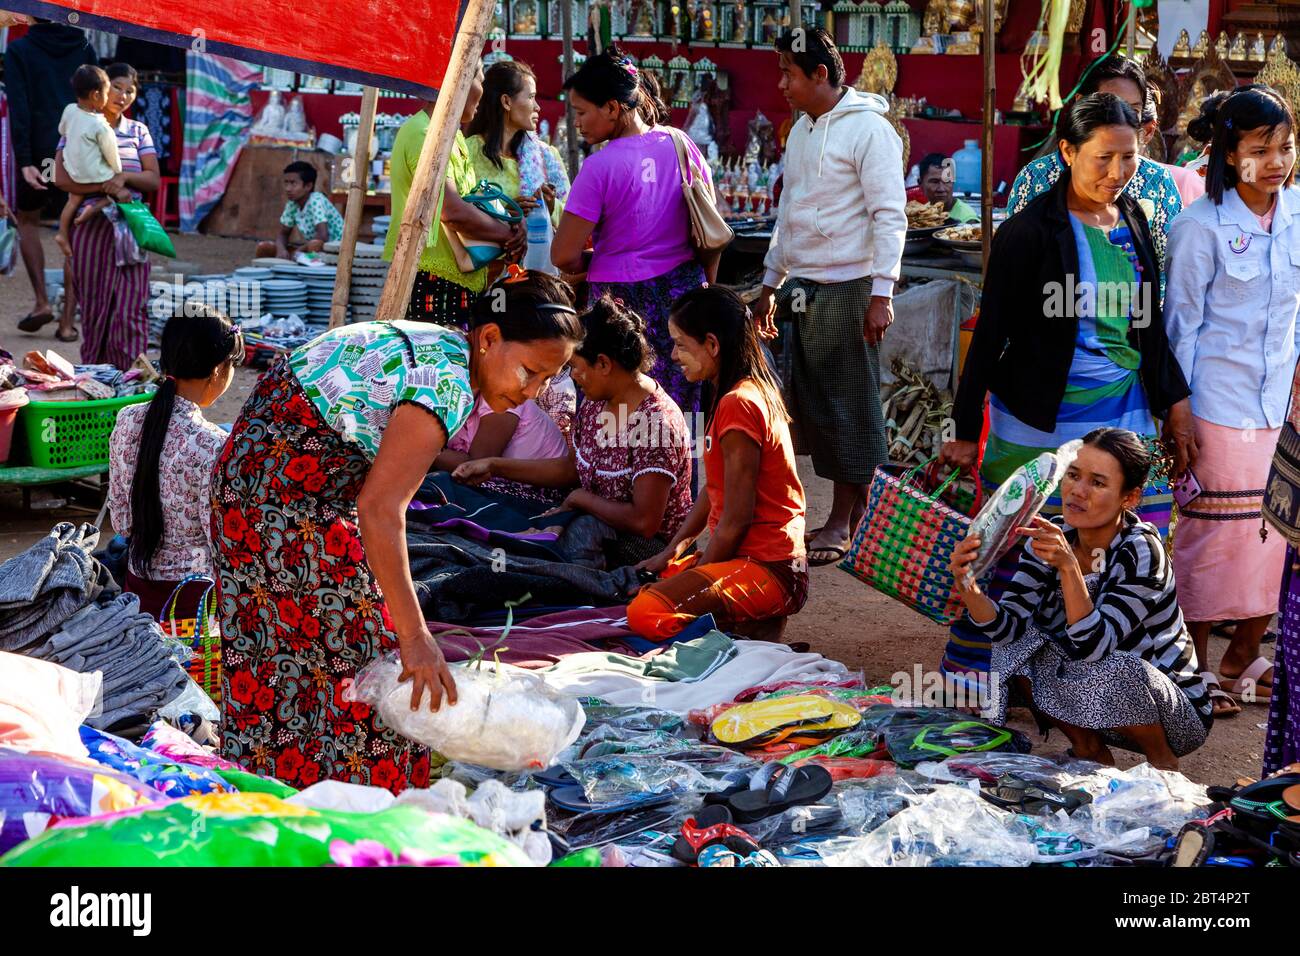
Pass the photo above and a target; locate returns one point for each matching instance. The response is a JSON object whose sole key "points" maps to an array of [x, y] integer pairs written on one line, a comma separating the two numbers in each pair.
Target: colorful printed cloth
{"points": [[300, 608], [218, 118], [169, 777], [356, 375], [316, 210], [653, 440], [1151, 186]]}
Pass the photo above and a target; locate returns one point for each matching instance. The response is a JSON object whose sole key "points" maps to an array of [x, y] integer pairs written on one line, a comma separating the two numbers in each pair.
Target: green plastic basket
{"points": [[72, 434]]}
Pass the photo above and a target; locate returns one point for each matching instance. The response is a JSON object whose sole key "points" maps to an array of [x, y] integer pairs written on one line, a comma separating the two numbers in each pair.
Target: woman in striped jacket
{"points": [[1089, 630]]}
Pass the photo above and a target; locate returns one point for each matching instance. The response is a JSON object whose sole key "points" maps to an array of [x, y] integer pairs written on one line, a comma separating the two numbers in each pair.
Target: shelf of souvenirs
{"points": [[1244, 53], [723, 23]]}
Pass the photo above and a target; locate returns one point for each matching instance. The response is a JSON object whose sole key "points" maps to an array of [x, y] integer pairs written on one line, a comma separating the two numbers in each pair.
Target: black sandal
{"points": [[32, 322]]}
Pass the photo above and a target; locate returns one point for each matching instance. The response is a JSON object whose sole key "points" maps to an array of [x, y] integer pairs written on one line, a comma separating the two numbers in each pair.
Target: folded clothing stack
{"points": [[48, 583], [140, 669], [59, 604]]}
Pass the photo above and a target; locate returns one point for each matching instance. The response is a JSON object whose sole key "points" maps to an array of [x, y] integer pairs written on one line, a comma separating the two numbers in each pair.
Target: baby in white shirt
{"points": [[89, 149]]}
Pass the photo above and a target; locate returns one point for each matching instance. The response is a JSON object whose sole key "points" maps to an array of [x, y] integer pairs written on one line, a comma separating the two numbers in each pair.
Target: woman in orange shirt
{"points": [[753, 573]]}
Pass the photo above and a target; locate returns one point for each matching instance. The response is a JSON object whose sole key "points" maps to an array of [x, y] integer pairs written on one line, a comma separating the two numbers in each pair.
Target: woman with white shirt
{"points": [[1231, 307], [162, 453]]}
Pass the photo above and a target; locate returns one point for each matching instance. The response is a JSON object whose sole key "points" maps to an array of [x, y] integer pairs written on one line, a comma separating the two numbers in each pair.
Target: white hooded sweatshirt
{"points": [[842, 215]]}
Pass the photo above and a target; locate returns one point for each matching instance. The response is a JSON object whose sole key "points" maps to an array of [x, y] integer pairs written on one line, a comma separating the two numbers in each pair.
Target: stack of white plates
{"points": [[380, 227], [369, 270], [254, 274], [283, 297], [320, 291]]}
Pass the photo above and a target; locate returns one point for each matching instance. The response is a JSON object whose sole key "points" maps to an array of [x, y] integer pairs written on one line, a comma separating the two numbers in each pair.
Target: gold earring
{"points": [[482, 351]]}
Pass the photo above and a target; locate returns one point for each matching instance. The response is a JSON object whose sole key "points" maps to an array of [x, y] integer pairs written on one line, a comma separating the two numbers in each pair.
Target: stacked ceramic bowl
{"points": [[286, 293], [380, 228], [369, 271], [320, 292]]}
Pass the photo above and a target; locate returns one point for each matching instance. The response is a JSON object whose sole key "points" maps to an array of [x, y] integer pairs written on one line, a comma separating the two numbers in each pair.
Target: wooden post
{"points": [[570, 127], [355, 207], [1132, 30], [986, 150], [431, 171]]}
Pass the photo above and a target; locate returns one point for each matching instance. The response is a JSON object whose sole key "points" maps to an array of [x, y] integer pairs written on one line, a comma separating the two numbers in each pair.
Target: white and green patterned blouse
{"points": [[307, 217], [356, 375]]}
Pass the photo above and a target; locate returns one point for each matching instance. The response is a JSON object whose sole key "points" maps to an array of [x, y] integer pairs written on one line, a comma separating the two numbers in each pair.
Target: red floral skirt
{"points": [[301, 611]]}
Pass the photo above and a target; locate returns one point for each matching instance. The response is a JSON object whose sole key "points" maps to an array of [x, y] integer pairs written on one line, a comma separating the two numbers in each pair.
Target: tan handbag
{"points": [[710, 233]]}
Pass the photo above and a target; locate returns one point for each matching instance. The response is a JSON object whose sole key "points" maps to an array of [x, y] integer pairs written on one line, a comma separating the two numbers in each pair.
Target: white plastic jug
{"points": [[538, 224], [969, 168]]}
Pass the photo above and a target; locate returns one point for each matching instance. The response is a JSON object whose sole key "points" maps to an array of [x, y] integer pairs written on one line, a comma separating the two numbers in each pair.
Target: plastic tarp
{"points": [[403, 47]]}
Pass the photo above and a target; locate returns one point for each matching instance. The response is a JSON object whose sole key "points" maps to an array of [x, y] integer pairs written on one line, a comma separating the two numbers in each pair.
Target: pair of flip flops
{"points": [[803, 718], [772, 789], [1025, 796]]}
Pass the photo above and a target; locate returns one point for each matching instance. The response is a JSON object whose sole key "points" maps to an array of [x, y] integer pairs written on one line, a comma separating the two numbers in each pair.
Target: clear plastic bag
{"points": [[610, 779], [505, 720], [1016, 502], [989, 767], [192, 700], [1141, 797], [953, 826], [633, 720], [582, 830]]}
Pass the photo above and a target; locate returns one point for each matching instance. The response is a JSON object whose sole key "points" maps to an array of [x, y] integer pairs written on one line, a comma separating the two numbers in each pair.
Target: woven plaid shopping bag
{"points": [[202, 631], [905, 540]]}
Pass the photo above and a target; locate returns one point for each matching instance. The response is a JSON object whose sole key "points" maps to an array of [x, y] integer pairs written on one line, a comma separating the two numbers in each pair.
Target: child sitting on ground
{"points": [[90, 155], [315, 218]]}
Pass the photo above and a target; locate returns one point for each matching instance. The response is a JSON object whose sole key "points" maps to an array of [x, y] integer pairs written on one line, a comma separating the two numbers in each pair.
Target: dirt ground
{"points": [[843, 619]]}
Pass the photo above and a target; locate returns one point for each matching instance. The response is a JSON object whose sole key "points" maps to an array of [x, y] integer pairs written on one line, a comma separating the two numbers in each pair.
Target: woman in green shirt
{"points": [[442, 293], [503, 142]]}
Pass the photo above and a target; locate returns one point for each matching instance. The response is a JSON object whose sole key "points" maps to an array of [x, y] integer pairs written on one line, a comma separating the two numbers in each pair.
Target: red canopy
{"points": [[403, 47]]}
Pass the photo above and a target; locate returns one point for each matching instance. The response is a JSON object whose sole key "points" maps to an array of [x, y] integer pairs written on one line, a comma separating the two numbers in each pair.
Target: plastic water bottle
{"points": [[538, 224], [969, 168]]}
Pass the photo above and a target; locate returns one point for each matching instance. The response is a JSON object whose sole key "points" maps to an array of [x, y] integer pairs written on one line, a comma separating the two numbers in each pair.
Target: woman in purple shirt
{"points": [[628, 199], [113, 298]]}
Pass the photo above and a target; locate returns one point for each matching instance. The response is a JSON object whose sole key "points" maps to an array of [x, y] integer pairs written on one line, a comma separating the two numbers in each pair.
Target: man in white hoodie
{"points": [[831, 269]]}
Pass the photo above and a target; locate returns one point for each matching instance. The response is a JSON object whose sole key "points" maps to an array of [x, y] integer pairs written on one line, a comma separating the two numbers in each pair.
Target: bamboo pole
{"points": [[570, 127], [431, 171], [990, 110], [1131, 30], [355, 207]]}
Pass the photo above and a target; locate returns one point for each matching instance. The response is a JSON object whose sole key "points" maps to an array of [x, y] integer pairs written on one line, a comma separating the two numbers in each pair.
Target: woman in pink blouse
{"points": [[631, 455], [161, 457]]}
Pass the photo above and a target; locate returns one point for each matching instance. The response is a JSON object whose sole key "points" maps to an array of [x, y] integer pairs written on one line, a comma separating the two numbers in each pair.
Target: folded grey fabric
{"points": [[138, 665], [47, 584]]}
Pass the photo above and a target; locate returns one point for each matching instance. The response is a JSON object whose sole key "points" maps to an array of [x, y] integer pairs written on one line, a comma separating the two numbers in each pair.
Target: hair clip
{"points": [[619, 302], [513, 273], [1227, 122], [627, 64]]}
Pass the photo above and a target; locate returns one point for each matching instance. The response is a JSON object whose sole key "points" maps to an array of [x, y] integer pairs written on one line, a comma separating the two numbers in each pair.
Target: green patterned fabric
{"points": [[357, 374]]}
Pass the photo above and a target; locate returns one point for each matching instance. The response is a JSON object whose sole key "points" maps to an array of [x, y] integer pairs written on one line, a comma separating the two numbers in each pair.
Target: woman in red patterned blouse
{"points": [[631, 456]]}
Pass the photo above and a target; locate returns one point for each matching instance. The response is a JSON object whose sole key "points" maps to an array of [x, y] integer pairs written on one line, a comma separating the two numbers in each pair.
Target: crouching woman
{"points": [[1089, 629], [753, 573]]}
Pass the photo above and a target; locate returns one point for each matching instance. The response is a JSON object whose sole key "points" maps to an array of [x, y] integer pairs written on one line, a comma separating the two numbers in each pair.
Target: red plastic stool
{"points": [[163, 206]]}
